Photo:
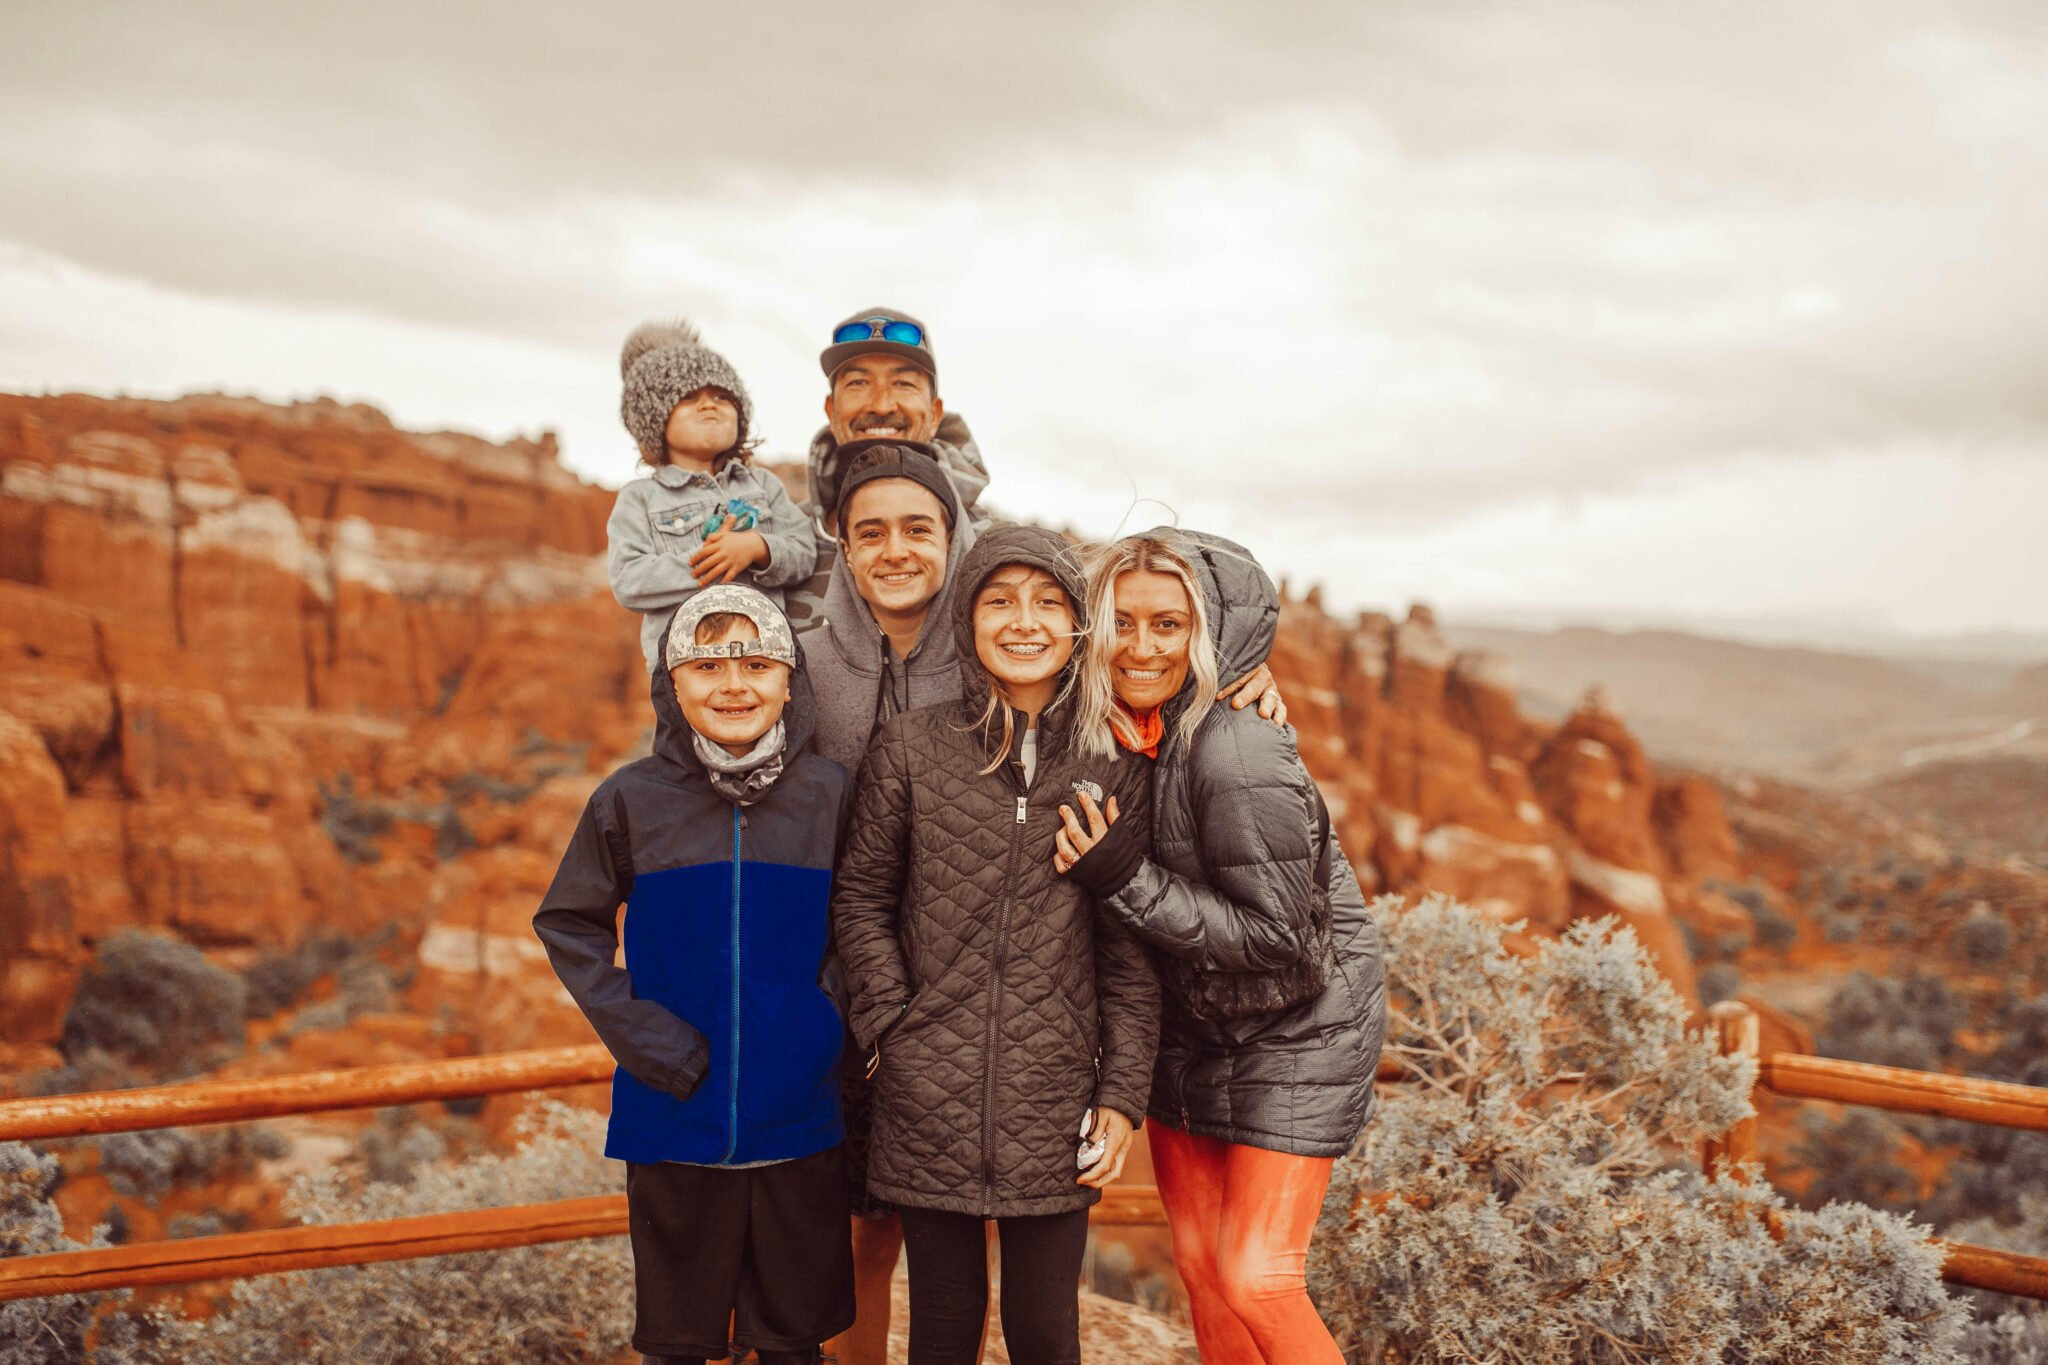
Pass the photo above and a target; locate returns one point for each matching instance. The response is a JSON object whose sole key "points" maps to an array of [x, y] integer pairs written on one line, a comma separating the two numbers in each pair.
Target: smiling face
{"points": [[701, 427], [731, 702], [895, 545], [882, 396], [1154, 631], [1023, 633]]}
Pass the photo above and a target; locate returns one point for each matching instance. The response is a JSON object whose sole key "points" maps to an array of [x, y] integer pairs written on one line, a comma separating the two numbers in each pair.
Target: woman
{"points": [[1273, 1019], [1002, 1026]]}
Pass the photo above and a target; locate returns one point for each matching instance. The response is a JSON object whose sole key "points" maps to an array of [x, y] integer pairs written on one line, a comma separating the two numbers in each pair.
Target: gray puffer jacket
{"points": [[1003, 1003], [1227, 885]]}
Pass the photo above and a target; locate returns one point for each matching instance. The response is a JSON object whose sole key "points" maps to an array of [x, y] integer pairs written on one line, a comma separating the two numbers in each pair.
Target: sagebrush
{"points": [[1532, 1195], [571, 1301]]}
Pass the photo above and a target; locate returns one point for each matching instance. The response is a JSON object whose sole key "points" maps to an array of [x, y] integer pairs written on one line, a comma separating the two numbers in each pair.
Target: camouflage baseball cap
{"points": [[776, 641]]}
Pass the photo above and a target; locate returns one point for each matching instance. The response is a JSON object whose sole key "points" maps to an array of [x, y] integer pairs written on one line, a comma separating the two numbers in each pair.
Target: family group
{"points": [[962, 852]]}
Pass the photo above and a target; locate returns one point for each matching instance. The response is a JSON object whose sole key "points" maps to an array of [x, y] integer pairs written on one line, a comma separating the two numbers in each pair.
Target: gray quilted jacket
{"points": [[1003, 1004], [1227, 884]]}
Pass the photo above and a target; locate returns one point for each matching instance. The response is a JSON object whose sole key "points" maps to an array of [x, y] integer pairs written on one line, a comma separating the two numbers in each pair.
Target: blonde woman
{"points": [[1274, 990]]}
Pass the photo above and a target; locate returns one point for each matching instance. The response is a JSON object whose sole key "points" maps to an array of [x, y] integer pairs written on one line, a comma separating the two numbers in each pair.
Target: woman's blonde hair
{"points": [[1098, 720]]}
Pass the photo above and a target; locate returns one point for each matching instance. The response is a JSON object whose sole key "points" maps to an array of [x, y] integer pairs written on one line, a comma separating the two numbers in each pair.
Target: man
{"points": [[893, 482], [882, 384]]}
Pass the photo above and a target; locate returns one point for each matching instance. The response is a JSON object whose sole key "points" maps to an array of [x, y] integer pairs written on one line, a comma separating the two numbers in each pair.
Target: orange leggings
{"points": [[1241, 1219]]}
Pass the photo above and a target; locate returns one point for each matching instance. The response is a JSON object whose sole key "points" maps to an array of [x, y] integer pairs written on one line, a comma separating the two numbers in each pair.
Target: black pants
{"points": [[766, 1249], [949, 1286]]}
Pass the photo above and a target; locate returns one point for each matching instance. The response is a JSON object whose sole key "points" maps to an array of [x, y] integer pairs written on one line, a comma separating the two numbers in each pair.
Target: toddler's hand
{"points": [[724, 555]]}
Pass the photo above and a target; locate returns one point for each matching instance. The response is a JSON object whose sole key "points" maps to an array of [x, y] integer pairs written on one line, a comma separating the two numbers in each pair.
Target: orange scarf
{"points": [[1149, 725]]}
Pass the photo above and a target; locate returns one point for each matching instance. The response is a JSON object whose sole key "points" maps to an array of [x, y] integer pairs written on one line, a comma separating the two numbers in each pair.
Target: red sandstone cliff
{"points": [[268, 668]]}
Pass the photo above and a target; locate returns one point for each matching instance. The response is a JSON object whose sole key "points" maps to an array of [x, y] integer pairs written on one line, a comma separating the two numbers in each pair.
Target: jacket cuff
{"points": [[684, 1080], [874, 1025], [1108, 867], [1123, 1104]]}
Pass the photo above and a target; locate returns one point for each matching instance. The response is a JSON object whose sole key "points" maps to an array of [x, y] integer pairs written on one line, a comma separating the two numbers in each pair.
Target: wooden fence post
{"points": [[1737, 1032]]}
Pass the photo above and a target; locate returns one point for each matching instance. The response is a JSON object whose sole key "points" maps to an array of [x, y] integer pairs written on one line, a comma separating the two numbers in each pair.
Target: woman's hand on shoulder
{"points": [[1257, 687]]}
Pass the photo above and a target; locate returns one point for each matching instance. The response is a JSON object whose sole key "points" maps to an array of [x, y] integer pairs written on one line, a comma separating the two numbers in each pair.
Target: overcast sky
{"points": [[1674, 310]]}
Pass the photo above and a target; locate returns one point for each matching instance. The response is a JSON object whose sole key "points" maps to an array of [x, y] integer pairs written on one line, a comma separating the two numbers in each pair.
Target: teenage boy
{"points": [[725, 1106]]}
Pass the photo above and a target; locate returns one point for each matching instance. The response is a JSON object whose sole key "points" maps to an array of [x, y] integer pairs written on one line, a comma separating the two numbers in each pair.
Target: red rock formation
{"points": [[265, 668]]}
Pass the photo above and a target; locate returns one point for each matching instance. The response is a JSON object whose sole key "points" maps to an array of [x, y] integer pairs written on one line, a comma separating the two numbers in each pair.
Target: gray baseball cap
{"points": [[776, 641], [880, 329]]}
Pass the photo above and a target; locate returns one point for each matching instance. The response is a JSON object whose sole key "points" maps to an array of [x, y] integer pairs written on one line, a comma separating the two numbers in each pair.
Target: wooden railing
{"points": [[1900, 1091], [304, 1248], [233, 1255]]}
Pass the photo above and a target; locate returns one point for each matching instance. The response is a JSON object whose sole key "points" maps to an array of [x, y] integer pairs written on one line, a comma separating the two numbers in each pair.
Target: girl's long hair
{"points": [[1098, 720]]}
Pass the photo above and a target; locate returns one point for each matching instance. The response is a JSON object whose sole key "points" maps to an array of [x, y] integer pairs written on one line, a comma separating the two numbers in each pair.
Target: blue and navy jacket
{"points": [[727, 1041]]}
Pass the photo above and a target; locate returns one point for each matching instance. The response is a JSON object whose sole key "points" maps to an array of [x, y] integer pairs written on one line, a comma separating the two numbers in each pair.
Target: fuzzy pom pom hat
{"points": [[663, 363]]}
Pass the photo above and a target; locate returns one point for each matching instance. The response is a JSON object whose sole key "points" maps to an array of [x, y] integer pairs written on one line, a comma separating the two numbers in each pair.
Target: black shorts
{"points": [[767, 1248]]}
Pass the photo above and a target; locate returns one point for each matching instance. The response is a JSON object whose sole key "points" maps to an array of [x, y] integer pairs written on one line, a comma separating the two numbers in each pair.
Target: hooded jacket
{"points": [[958, 455], [657, 523], [1235, 840], [728, 1047], [1003, 1003], [858, 680]]}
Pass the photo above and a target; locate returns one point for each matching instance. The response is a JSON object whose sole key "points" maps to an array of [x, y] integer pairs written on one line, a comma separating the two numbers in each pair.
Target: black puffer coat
{"points": [[1003, 1003], [1227, 885]]}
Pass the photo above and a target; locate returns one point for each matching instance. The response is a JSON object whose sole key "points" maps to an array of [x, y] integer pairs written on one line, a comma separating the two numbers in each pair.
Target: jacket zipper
{"points": [[995, 1004], [733, 1109]]}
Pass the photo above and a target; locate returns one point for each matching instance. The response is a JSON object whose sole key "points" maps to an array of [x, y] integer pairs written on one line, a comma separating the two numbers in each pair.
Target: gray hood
{"points": [[1041, 549], [849, 659], [1243, 602]]}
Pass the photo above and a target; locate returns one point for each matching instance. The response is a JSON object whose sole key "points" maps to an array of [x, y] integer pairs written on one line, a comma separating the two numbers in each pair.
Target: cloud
{"points": [[1351, 268]]}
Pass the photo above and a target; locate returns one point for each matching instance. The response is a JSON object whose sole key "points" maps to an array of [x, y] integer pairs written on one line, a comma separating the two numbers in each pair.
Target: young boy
{"points": [[705, 515], [725, 1106]]}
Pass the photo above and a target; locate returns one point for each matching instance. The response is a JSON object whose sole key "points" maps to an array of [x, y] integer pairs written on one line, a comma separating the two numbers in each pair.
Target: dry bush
{"points": [[1529, 1195], [50, 1330], [571, 1301], [157, 1005]]}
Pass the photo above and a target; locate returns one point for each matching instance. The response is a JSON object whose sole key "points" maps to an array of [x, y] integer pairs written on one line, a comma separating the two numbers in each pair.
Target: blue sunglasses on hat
{"points": [[880, 329]]}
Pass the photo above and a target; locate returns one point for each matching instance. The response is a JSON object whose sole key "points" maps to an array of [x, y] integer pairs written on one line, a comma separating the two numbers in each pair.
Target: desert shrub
{"points": [[2013, 1326], [48, 1331], [276, 981], [1773, 929], [1719, 982], [452, 838], [1907, 1023], [149, 1163], [1852, 1160], [1842, 928], [1911, 879], [354, 825], [1984, 939], [564, 1302], [1731, 945], [1514, 1202], [2023, 1055], [2009, 1339], [155, 1003], [397, 1146]]}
